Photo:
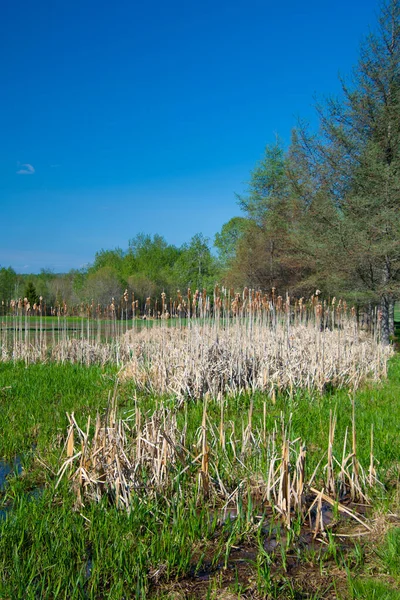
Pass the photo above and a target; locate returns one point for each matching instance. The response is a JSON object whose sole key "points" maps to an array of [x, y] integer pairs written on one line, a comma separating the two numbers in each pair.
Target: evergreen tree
{"points": [[30, 294], [356, 164]]}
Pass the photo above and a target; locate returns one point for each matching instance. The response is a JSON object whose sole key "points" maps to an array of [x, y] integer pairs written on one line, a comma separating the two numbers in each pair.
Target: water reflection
{"points": [[7, 467]]}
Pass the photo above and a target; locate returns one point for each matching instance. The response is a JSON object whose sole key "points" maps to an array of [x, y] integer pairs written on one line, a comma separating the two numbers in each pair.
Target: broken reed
{"points": [[149, 456]]}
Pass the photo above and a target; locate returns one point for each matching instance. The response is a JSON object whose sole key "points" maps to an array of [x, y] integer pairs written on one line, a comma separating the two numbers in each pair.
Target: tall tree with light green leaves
{"points": [[196, 266], [267, 251], [8, 285], [227, 240]]}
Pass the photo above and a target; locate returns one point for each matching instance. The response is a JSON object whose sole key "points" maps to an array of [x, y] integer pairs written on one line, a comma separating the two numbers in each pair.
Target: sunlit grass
{"points": [[48, 549]]}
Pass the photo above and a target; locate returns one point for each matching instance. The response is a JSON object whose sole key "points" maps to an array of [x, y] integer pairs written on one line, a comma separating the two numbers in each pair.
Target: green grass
{"points": [[397, 312], [372, 589], [48, 549], [74, 322], [389, 553], [34, 401], [58, 554]]}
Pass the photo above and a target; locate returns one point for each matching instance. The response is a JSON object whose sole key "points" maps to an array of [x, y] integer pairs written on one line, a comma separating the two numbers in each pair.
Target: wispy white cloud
{"points": [[26, 169]]}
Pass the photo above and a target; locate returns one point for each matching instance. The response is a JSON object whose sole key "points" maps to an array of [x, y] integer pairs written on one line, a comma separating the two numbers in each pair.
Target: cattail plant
{"points": [[148, 455], [226, 343]]}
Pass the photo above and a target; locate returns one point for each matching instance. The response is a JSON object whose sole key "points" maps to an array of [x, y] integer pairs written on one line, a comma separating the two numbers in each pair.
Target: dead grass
{"points": [[149, 456], [210, 359]]}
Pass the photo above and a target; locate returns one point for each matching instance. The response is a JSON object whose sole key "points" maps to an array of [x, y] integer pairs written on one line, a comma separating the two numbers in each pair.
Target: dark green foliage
{"points": [[30, 294], [354, 170], [152, 260]]}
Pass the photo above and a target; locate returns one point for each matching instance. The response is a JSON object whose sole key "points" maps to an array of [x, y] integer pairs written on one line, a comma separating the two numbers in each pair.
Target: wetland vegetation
{"points": [[163, 441], [119, 488]]}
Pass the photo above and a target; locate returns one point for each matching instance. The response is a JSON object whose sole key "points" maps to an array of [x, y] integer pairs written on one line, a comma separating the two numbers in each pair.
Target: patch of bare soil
{"points": [[309, 566]]}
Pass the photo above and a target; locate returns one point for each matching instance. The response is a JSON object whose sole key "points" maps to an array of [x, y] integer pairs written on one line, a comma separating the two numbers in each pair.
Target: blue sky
{"points": [[125, 117]]}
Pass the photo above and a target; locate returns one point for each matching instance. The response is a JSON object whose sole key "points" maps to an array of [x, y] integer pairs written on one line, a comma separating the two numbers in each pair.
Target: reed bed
{"points": [[148, 456], [72, 350], [249, 356], [197, 345]]}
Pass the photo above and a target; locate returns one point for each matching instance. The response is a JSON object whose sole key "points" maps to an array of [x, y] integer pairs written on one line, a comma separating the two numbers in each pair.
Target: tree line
{"points": [[322, 213], [148, 267]]}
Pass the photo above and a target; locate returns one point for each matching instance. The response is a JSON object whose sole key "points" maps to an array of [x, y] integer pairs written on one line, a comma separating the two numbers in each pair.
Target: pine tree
{"points": [[30, 294], [356, 162]]}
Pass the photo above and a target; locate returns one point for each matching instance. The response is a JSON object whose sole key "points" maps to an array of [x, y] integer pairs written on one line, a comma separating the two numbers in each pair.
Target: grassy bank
{"points": [[181, 545]]}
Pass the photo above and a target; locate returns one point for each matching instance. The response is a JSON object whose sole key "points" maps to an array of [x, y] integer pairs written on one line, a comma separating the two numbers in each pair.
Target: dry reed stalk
{"points": [[342, 475], [340, 507], [247, 432], [70, 441], [148, 456], [232, 439], [283, 503], [203, 477], [371, 471], [300, 476], [319, 521], [222, 426], [330, 479], [271, 470], [355, 487]]}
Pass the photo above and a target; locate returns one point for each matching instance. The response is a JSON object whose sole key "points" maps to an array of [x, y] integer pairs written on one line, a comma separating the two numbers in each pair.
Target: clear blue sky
{"points": [[121, 117]]}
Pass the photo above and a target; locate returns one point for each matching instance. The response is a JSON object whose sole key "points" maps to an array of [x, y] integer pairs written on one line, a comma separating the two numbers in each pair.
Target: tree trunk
{"points": [[385, 334], [391, 315], [385, 304]]}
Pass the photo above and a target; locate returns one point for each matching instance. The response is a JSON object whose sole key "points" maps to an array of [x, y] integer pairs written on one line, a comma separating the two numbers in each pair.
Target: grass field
{"points": [[251, 453], [180, 543]]}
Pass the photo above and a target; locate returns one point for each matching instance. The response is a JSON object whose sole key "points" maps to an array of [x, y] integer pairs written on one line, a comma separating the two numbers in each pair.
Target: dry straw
{"points": [[195, 345], [148, 456], [210, 359]]}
